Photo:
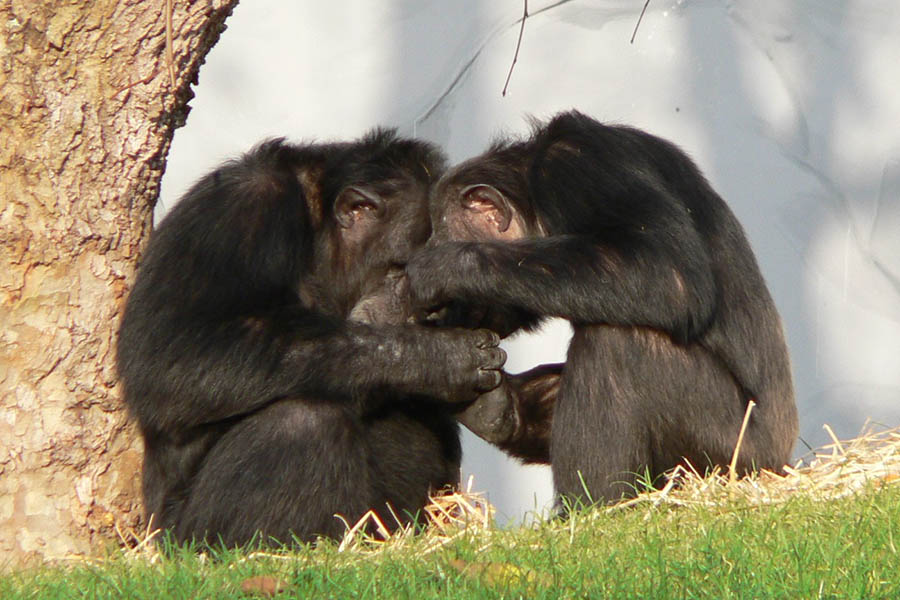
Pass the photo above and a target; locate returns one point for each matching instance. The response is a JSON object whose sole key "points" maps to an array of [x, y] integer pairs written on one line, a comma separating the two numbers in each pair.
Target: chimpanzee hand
{"points": [[434, 275], [445, 289], [455, 365]]}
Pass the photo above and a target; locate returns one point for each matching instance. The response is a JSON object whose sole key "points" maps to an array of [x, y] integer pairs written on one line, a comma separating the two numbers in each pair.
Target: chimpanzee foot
{"points": [[492, 416]]}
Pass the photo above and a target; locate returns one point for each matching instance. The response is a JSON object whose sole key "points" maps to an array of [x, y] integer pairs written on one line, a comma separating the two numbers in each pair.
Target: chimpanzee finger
{"points": [[495, 358], [488, 379], [489, 339]]}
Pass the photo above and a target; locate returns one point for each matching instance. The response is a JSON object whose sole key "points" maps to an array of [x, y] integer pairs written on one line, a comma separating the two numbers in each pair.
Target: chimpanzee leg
{"points": [[285, 470], [631, 402], [414, 450]]}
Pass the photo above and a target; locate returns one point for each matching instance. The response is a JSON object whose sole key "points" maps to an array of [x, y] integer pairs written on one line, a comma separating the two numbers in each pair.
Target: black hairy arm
{"points": [[631, 279], [237, 366]]}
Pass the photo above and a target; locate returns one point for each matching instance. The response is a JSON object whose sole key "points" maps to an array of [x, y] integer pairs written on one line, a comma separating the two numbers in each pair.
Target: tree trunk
{"points": [[87, 114]]}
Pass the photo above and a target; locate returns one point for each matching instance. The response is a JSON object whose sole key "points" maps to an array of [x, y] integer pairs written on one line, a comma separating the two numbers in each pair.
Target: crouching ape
{"points": [[265, 354], [675, 332]]}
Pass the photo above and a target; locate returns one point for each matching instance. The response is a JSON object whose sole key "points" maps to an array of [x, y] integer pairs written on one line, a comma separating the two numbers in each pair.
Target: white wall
{"points": [[791, 108]]}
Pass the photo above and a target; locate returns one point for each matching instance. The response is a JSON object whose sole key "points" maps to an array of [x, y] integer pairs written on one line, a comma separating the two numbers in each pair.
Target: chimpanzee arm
{"points": [[233, 367], [517, 415], [655, 278]]}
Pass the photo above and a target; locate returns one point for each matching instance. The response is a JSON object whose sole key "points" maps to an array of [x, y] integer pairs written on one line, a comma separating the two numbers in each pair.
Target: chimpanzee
{"points": [[267, 398], [674, 329]]}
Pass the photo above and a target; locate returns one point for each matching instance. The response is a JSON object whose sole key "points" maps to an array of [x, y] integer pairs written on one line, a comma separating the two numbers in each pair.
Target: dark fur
{"points": [[674, 328], [263, 407]]}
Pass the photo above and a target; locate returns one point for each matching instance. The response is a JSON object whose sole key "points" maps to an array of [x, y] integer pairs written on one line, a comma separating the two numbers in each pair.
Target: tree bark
{"points": [[87, 114]]}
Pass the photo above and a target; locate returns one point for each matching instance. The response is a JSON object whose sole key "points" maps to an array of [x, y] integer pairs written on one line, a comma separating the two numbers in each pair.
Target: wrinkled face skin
{"points": [[379, 227], [382, 223], [376, 226]]}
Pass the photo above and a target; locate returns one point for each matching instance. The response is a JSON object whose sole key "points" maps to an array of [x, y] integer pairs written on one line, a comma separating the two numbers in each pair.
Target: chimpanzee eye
{"points": [[365, 203]]}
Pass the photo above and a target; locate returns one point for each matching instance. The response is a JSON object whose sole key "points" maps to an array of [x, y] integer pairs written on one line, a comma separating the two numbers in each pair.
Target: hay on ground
{"points": [[833, 471], [448, 515]]}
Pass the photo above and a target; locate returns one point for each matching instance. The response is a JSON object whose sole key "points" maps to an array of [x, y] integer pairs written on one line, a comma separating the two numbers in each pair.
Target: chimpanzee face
{"points": [[377, 227], [383, 222]]}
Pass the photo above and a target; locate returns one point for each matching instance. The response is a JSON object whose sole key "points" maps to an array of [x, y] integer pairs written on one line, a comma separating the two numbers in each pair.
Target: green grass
{"points": [[801, 549]]}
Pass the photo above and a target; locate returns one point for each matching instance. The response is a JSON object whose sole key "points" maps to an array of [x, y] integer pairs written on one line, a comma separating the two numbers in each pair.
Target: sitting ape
{"points": [[674, 329], [265, 402]]}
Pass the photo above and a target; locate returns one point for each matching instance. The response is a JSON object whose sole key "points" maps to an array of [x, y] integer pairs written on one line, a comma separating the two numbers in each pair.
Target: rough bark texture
{"points": [[87, 113]]}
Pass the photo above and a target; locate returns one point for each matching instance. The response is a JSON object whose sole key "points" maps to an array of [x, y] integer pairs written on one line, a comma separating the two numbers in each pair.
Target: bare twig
{"points": [[638, 24], [518, 45]]}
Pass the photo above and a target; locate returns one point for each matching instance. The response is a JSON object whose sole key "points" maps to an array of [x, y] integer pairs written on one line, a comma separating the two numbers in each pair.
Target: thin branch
{"points": [[460, 75], [638, 24], [518, 45]]}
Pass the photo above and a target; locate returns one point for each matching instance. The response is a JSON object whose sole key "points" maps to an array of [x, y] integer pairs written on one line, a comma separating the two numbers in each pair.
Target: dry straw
{"points": [[833, 471], [449, 515]]}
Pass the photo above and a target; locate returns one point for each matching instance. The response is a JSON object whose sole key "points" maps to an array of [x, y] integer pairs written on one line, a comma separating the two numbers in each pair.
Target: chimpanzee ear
{"points": [[491, 206], [355, 205]]}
